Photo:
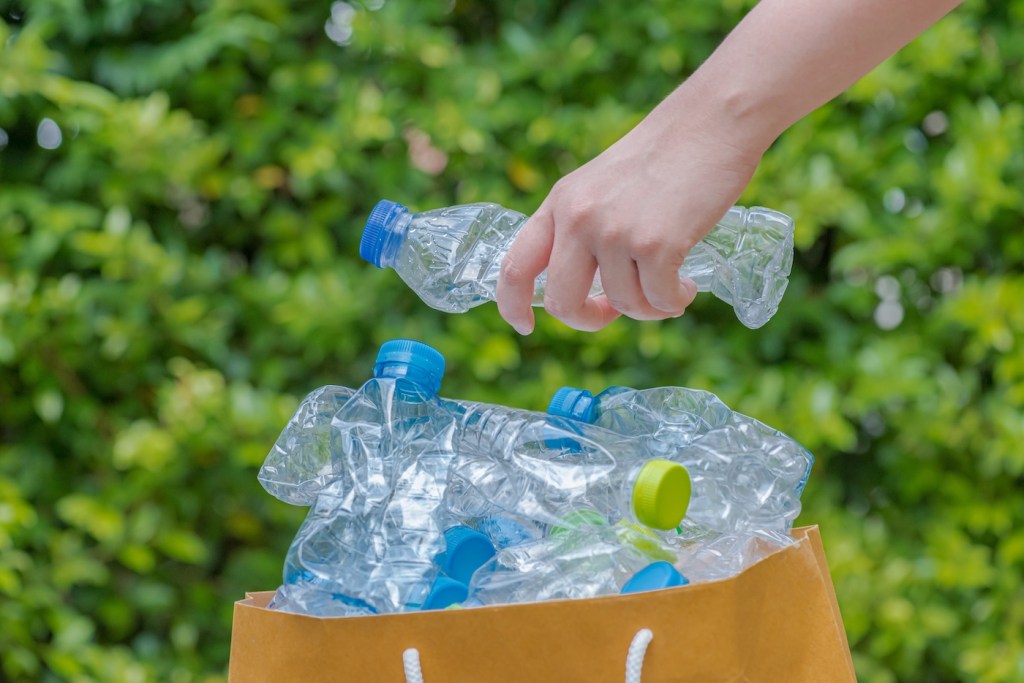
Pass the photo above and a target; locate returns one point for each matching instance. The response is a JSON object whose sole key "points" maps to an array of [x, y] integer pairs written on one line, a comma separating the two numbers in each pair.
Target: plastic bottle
{"points": [[304, 593], [374, 531], [550, 471], [506, 530], [710, 556], [745, 475], [575, 564], [300, 463], [451, 257]]}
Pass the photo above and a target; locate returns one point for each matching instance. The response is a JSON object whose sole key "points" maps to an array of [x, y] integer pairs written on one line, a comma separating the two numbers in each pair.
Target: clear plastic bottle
{"points": [[746, 476], [303, 460], [304, 593], [550, 470], [575, 564], [451, 257], [704, 555], [506, 530], [300, 463], [374, 531]]}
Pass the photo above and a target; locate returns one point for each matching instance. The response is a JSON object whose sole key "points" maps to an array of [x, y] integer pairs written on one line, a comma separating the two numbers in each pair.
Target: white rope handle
{"points": [[634, 659], [411, 662], [635, 656]]}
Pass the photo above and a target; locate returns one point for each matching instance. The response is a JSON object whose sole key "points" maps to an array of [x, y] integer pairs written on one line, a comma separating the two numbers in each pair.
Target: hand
{"points": [[634, 212]]}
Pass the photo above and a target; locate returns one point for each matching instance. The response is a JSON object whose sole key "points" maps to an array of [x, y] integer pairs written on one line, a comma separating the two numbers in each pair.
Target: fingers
{"points": [[662, 287], [526, 259], [639, 270], [646, 289], [622, 282], [571, 273]]}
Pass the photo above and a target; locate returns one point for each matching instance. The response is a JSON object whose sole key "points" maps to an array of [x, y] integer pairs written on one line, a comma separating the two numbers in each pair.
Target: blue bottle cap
{"points": [[467, 550], [445, 592], [381, 221], [653, 577], [577, 404], [413, 360]]}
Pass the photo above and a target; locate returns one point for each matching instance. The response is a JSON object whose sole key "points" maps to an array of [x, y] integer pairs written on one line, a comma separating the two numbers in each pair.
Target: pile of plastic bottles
{"points": [[423, 502]]}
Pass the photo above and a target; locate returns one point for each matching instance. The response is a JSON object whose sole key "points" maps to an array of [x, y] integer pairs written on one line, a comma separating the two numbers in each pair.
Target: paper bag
{"points": [[776, 622]]}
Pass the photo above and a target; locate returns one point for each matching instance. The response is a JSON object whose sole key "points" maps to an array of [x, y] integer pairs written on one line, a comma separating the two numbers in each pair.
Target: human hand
{"points": [[633, 213]]}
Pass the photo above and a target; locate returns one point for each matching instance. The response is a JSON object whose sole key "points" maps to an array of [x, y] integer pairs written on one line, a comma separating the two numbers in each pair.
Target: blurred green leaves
{"points": [[182, 191]]}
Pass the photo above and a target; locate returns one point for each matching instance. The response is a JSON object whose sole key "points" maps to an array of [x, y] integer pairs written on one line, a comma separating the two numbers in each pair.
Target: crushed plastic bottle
{"points": [[374, 532], [572, 565], [300, 463], [451, 257], [420, 502], [745, 475], [530, 466], [710, 556]]}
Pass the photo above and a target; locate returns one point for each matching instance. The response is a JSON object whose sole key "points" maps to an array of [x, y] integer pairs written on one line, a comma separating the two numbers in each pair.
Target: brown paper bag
{"points": [[776, 622]]}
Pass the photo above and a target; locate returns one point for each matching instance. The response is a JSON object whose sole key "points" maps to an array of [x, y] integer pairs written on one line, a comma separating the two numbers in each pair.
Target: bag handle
{"points": [[634, 659], [411, 663], [635, 655]]}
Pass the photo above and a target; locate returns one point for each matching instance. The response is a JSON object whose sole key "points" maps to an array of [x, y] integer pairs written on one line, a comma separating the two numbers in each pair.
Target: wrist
{"points": [[729, 112]]}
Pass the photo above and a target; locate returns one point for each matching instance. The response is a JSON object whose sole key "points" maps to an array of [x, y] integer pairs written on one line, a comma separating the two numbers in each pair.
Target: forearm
{"points": [[789, 57]]}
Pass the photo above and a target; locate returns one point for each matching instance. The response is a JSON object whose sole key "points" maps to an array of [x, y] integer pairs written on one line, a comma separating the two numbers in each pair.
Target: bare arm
{"points": [[789, 57], [636, 209]]}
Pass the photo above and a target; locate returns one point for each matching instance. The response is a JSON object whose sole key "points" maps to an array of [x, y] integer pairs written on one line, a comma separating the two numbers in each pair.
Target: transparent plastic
{"points": [[389, 467], [703, 555], [300, 463], [568, 566], [451, 257], [745, 475], [373, 532], [524, 465]]}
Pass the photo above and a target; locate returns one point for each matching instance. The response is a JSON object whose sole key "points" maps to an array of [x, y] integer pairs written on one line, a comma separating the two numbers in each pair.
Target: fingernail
{"points": [[524, 329]]}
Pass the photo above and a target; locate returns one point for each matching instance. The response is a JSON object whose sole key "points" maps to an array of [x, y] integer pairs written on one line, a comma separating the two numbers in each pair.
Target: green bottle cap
{"points": [[661, 494], [579, 518]]}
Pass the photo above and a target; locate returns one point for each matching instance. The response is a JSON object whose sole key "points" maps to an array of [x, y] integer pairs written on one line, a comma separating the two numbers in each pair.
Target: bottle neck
{"points": [[419, 386], [394, 237]]}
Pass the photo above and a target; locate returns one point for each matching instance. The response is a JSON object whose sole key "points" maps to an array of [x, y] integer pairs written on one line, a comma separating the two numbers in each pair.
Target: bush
{"points": [[182, 188]]}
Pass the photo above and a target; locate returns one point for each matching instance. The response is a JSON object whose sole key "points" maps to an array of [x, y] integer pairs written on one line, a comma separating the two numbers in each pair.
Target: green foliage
{"points": [[181, 268]]}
